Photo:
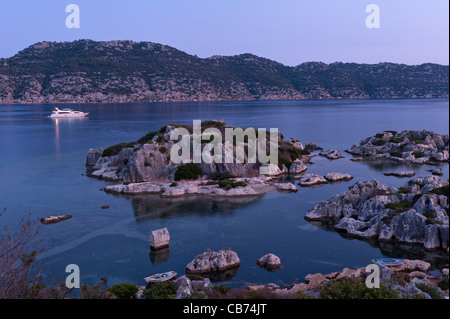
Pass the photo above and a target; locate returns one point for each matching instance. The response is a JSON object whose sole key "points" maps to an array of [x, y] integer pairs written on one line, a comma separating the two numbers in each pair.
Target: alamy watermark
{"points": [[73, 280], [373, 276], [230, 148], [373, 19], [73, 19]]}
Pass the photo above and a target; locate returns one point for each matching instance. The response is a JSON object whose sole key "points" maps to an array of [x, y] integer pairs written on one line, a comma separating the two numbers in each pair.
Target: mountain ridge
{"points": [[87, 71]]}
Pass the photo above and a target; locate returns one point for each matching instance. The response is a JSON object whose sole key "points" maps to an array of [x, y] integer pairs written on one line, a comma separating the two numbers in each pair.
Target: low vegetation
{"points": [[188, 171]]}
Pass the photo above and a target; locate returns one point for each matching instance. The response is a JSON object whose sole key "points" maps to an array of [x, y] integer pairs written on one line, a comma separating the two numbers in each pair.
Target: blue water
{"points": [[42, 165]]}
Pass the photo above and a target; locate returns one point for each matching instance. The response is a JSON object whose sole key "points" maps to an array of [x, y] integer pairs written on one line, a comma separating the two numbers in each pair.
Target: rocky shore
{"points": [[417, 147], [414, 214], [411, 279]]}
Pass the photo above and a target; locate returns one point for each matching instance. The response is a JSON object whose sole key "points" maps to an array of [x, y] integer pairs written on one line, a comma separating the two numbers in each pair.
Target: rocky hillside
{"points": [[86, 71]]}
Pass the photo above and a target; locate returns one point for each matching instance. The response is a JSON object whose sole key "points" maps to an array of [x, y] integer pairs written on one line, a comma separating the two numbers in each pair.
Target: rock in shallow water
{"points": [[331, 154], [311, 180], [338, 177], [270, 262], [373, 210], [211, 261], [401, 174]]}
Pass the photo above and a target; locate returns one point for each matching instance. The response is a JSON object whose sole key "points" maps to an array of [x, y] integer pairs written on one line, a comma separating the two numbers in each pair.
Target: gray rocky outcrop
{"points": [[211, 261], [270, 261], [331, 154], [309, 180], [410, 214], [54, 219], [338, 177], [401, 174], [417, 147]]}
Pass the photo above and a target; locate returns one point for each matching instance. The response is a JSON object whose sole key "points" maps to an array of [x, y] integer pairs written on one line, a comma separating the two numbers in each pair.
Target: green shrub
{"points": [[112, 150], [226, 183], [392, 132], [379, 142], [223, 290], [188, 171], [221, 176], [443, 284], [124, 291], [147, 138], [284, 161], [147, 164], [431, 291], [207, 124], [160, 139], [354, 288], [396, 154], [395, 140], [419, 141], [163, 150], [161, 290], [418, 154], [402, 206], [379, 135], [444, 190], [404, 190]]}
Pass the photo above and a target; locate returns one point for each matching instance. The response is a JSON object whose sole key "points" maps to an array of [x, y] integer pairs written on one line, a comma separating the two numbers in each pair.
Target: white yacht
{"points": [[57, 113]]}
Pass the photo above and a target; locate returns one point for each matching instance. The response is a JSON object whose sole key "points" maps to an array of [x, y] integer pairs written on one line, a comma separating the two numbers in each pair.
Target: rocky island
{"points": [[416, 147], [145, 166], [414, 214]]}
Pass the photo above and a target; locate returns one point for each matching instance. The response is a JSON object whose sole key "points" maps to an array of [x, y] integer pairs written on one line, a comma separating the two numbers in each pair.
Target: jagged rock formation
{"points": [[418, 147], [414, 214], [87, 71]]}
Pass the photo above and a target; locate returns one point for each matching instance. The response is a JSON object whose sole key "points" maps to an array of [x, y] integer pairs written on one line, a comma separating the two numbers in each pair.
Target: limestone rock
{"points": [[159, 238], [337, 177], [401, 174], [311, 180], [210, 261], [54, 219], [331, 154], [270, 262], [286, 187]]}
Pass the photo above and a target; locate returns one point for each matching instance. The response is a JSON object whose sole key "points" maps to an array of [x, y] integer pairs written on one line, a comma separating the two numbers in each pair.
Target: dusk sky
{"points": [[287, 31]]}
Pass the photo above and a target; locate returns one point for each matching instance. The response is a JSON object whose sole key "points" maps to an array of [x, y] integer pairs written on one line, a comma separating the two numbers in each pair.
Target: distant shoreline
{"points": [[233, 100]]}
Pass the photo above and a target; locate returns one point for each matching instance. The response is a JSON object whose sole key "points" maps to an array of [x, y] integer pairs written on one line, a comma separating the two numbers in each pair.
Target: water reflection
{"points": [[159, 256], [438, 259], [389, 165], [152, 206]]}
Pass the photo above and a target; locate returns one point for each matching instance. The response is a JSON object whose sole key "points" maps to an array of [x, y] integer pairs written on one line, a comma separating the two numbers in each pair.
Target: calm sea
{"points": [[42, 165]]}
